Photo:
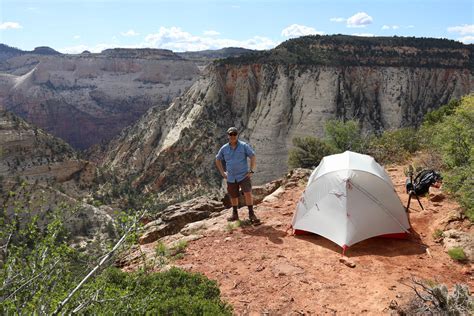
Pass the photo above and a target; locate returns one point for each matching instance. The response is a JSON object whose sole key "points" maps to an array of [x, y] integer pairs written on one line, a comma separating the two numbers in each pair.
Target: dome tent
{"points": [[349, 198]]}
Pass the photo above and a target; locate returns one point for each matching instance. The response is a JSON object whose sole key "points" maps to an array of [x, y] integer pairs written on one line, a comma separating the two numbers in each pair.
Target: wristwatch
{"points": [[251, 171]]}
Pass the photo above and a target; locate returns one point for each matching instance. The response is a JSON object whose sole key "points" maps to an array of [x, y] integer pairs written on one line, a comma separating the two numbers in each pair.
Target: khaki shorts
{"points": [[233, 188]]}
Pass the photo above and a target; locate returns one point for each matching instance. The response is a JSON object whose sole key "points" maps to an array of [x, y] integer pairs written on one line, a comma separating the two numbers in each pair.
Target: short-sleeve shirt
{"points": [[236, 160]]}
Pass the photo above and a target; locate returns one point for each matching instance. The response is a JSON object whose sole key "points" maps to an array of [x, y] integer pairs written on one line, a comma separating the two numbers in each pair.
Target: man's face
{"points": [[232, 137]]}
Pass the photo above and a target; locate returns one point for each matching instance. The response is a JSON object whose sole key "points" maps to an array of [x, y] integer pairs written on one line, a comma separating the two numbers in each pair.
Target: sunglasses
{"points": [[232, 134]]}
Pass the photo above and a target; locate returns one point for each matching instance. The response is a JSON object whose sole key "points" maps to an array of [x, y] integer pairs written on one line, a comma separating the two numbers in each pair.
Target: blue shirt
{"points": [[235, 160]]}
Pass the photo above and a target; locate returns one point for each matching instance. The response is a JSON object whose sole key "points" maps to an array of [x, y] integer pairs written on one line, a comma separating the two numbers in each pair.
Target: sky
{"points": [[72, 26]]}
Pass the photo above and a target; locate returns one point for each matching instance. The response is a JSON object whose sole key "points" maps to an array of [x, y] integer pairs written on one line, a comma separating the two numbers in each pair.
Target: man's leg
{"points": [[247, 188], [233, 190]]}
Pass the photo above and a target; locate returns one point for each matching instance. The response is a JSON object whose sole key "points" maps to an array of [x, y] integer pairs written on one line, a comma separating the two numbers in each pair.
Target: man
{"points": [[234, 154]]}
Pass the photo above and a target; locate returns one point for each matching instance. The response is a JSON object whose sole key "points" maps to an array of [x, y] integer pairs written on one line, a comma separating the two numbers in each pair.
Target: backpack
{"points": [[422, 182]]}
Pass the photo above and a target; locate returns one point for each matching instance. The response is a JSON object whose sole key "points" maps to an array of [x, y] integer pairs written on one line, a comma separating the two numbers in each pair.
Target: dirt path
{"points": [[265, 271]]}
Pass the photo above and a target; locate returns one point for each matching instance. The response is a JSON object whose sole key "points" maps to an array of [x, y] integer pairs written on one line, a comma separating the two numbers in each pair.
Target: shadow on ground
{"points": [[379, 246], [274, 235]]}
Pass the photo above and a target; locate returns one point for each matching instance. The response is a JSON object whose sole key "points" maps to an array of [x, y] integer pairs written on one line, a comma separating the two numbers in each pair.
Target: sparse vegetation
{"points": [[457, 253], [345, 50], [232, 225], [438, 233], [434, 299], [38, 269]]}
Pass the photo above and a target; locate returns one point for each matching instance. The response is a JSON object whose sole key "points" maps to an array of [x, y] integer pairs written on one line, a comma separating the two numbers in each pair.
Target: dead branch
{"points": [[104, 259], [30, 280]]}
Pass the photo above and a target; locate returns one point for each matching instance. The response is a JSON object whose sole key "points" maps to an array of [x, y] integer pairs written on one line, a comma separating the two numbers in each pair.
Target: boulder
{"points": [[175, 217]]}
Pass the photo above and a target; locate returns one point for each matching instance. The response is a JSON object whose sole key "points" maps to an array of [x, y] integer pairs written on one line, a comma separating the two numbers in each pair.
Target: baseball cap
{"points": [[232, 130]]}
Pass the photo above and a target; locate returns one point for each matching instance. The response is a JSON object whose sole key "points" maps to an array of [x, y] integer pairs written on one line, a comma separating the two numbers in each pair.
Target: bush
{"points": [[435, 299], [174, 292], [438, 233], [308, 152], [438, 115], [344, 135], [38, 269], [452, 135], [457, 253], [394, 146]]}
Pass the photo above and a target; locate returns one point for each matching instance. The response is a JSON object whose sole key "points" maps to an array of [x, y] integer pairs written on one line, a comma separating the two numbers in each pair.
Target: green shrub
{"points": [[38, 269], [453, 137], [233, 225], [438, 233], [394, 146], [174, 292], [308, 152], [438, 115], [344, 135], [457, 253]]}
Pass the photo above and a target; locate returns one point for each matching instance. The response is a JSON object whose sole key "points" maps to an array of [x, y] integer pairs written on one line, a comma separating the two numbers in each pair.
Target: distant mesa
{"points": [[45, 50], [151, 53], [217, 53], [86, 52]]}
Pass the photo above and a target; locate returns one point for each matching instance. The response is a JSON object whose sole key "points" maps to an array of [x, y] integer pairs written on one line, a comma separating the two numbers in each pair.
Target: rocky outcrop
{"points": [[86, 99], [458, 239], [188, 217], [175, 217], [290, 91]]}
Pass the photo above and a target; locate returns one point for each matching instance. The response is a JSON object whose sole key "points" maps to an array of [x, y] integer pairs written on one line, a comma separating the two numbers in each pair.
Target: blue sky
{"points": [[72, 26]]}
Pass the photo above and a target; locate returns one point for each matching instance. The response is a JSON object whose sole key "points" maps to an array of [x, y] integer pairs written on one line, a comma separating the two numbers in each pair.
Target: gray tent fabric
{"points": [[349, 198]]}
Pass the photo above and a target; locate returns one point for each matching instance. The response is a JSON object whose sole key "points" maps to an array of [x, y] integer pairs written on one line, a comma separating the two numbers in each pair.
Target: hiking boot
{"points": [[234, 217], [253, 218]]}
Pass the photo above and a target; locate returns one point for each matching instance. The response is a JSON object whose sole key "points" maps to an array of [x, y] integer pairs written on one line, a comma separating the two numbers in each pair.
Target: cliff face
{"points": [[273, 102], [89, 98]]}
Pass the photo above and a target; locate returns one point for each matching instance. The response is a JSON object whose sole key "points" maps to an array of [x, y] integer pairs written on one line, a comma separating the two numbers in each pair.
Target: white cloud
{"points": [[388, 27], [77, 36], [175, 39], [211, 33], [10, 25], [129, 33], [337, 20], [360, 19], [363, 34], [296, 30], [467, 39], [462, 29]]}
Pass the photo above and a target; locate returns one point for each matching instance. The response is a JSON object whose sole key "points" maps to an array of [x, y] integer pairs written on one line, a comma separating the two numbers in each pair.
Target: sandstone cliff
{"points": [[88, 98], [286, 92]]}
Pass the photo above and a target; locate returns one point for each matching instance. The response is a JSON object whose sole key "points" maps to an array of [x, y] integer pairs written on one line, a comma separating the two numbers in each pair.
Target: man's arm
{"points": [[221, 169], [253, 162], [253, 165]]}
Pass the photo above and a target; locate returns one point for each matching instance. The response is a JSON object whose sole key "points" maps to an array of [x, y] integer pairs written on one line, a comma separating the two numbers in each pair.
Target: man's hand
{"points": [[250, 174], [224, 175]]}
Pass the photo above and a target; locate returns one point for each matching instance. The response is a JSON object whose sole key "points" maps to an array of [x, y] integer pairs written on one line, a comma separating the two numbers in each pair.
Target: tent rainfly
{"points": [[349, 198]]}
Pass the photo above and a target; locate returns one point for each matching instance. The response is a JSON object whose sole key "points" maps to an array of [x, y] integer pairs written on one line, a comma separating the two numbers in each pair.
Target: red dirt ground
{"points": [[262, 270]]}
